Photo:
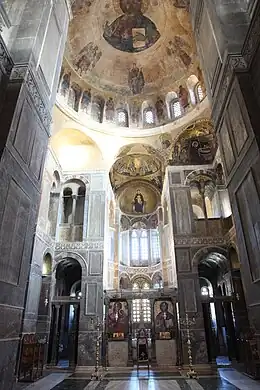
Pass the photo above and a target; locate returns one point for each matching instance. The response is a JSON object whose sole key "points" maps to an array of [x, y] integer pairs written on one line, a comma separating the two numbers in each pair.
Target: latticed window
{"points": [[139, 247], [141, 309], [122, 118], [176, 109], [155, 245], [148, 116], [136, 310], [200, 93], [135, 246], [144, 254]]}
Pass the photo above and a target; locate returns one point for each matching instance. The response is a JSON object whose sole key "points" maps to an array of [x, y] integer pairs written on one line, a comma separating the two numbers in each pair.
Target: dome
{"points": [[127, 61], [130, 48]]}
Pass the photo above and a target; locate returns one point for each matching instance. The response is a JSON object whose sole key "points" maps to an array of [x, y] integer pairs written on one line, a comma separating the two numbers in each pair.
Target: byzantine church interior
{"points": [[129, 186]]}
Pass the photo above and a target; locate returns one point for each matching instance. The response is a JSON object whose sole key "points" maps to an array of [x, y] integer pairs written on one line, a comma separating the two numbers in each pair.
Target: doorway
{"points": [[218, 307], [63, 342]]}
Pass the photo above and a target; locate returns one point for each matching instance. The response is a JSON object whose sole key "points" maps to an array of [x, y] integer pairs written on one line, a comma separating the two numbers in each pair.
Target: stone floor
{"points": [[228, 379]]}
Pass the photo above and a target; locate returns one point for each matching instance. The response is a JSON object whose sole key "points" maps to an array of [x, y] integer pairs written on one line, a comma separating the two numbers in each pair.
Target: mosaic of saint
{"points": [[132, 32], [138, 202]]}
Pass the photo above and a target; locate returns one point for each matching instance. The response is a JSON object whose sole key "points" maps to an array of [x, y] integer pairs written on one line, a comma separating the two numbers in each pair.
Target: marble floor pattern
{"points": [[228, 379]]}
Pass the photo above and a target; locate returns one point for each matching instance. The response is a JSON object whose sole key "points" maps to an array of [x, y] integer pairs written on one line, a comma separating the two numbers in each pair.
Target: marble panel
{"points": [[8, 356], [91, 298], [87, 349], [226, 145], [207, 45], [13, 232], [95, 263], [183, 260], [182, 210], [187, 287], [248, 204], [175, 177], [237, 122], [10, 318], [24, 133], [166, 352], [117, 353], [96, 215], [51, 45]]}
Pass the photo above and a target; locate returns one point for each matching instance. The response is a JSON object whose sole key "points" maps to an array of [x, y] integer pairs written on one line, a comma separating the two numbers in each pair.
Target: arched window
{"points": [[144, 251], [175, 107], [79, 212], [72, 98], [155, 246], [139, 248], [122, 118], [157, 282], [47, 265], [149, 116], [135, 246], [54, 205], [199, 92], [141, 310], [67, 205]]}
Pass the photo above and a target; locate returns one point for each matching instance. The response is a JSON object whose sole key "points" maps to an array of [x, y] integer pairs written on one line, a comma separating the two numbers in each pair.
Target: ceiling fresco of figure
{"points": [[131, 47], [133, 31], [136, 162]]}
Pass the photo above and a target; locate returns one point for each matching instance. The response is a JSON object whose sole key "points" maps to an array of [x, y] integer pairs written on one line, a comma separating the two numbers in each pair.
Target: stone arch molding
{"points": [[204, 252], [72, 255]]}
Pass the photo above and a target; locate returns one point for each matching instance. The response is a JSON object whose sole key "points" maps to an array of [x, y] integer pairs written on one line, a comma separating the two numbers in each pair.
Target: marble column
{"points": [[91, 307], [28, 83], [187, 275]]}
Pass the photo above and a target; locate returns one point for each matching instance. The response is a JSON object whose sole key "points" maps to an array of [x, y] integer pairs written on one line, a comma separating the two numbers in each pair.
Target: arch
{"points": [[191, 83], [124, 282], [204, 252], [157, 280], [198, 212], [75, 150], [47, 264], [140, 280], [72, 255], [234, 257], [56, 180], [68, 273]]}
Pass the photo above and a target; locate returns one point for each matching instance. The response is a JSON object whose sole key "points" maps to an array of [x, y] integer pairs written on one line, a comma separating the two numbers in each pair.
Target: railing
{"points": [[31, 358], [213, 227]]}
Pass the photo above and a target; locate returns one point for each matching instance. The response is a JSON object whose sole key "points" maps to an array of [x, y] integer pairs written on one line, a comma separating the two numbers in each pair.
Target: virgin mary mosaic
{"points": [[131, 32]]}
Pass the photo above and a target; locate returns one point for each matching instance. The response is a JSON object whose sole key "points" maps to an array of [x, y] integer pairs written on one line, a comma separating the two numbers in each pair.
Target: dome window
{"points": [[176, 110], [122, 118], [148, 117]]}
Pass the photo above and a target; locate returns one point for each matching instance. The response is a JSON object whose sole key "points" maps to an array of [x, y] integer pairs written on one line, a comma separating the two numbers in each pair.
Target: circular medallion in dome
{"points": [[131, 47], [133, 31]]}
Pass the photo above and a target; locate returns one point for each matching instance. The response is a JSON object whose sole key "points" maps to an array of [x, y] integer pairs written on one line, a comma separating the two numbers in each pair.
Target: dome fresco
{"points": [[131, 47]]}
